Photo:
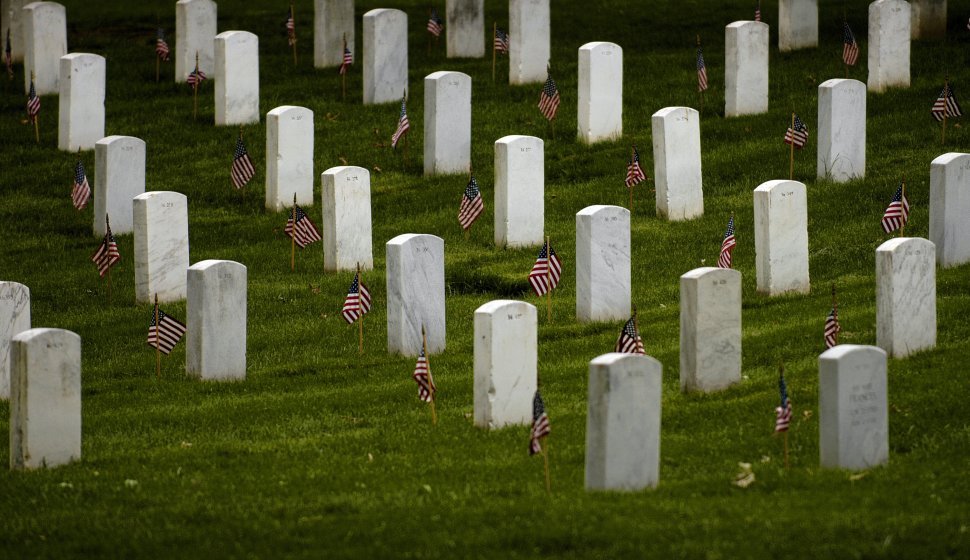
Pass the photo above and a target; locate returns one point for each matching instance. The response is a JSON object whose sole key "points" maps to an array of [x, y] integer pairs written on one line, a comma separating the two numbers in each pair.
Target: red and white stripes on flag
{"points": [[196, 77], [832, 328], [242, 166], [701, 71], [422, 376], [33, 101], [549, 99], [946, 104], [501, 41], [107, 254], [435, 25], [850, 48], [347, 60], [897, 214], [81, 191], [783, 413], [540, 424], [797, 135], [757, 12], [290, 28], [545, 273], [161, 47], [629, 341], [403, 124], [727, 246], [165, 334], [303, 231], [357, 302], [471, 205], [634, 173]]}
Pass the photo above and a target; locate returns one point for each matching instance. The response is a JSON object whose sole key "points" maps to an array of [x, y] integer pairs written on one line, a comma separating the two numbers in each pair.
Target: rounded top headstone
{"points": [[779, 184], [117, 139], [688, 112], [842, 83], [160, 197], [290, 111], [45, 6], [604, 46], [237, 37], [210, 264], [384, 13], [448, 74], [906, 243], [49, 336], [948, 158], [612, 358], [408, 238], [749, 24], [604, 209], [340, 170], [840, 351], [505, 305], [714, 273], [513, 138]]}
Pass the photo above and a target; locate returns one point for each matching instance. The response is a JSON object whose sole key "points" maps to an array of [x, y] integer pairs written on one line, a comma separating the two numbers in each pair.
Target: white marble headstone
{"points": [[447, 123], [905, 296], [45, 398], [746, 68], [215, 338], [385, 55], [710, 329], [44, 26], [81, 103], [950, 208], [602, 263], [11, 12], [797, 24], [529, 41], [519, 191], [506, 357], [119, 163], [677, 163], [781, 237], [161, 240], [600, 105], [289, 157], [841, 130], [623, 422], [346, 219], [852, 407], [333, 20], [465, 28], [889, 37], [929, 19], [415, 293], [237, 77], [14, 319], [195, 30]]}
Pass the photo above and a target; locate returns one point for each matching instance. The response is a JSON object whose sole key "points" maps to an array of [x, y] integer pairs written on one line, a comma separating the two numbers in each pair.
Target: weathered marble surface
{"points": [[11, 12], [797, 24], [289, 157], [529, 41], [841, 130], [14, 319], [161, 237], [333, 20], [119, 176], [415, 293], [506, 355], [195, 31], [465, 28], [519, 191], [888, 48], [44, 26], [603, 263], [928, 19], [905, 296], [447, 123], [385, 55], [80, 114], [781, 237], [623, 422], [677, 163], [215, 338], [710, 329], [600, 105], [237, 78], [346, 219], [950, 208], [746, 68]]}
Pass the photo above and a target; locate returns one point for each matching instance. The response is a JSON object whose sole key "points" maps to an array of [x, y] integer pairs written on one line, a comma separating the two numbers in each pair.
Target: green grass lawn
{"points": [[322, 454]]}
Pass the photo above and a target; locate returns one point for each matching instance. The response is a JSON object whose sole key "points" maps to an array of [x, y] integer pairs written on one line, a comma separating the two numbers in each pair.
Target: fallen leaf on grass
{"points": [[343, 161], [858, 476], [806, 414], [744, 478]]}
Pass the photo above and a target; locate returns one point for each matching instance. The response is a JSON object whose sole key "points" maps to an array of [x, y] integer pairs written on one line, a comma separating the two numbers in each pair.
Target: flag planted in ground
{"points": [[435, 25], [501, 41], [727, 246], [347, 60], [701, 71], [290, 28], [832, 328], [422, 376], [471, 204], [33, 101], [301, 229], [946, 104], [549, 99], [107, 254], [540, 424], [783, 413], [242, 165], [897, 213], [545, 273], [634, 173], [357, 302], [403, 124], [850, 49], [196, 76], [165, 333], [797, 134], [81, 191], [629, 341], [161, 46]]}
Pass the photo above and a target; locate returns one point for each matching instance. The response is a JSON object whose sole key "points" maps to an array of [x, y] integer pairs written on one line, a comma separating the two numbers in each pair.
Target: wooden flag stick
{"points": [[158, 352], [781, 374], [107, 229], [902, 197], [494, 34], [945, 111], [360, 308], [293, 17], [632, 152], [467, 233], [293, 237], [835, 307], [424, 348], [791, 156], [195, 89], [36, 116], [699, 89], [548, 280], [343, 76]]}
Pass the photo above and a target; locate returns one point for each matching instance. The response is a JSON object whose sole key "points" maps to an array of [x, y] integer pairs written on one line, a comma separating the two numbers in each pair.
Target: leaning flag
{"points": [[357, 302], [403, 125], [471, 204], [630, 341], [946, 104], [832, 328], [290, 28], [797, 135], [303, 232], [897, 214], [435, 25], [783, 412], [549, 99], [850, 49], [33, 102], [107, 254], [701, 71], [81, 192], [545, 273], [347, 61], [161, 47], [196, 76], [8, 55], [422, 376], [540, 424], [634, 173], [164, 334], [501, 41], [727, 246], [242, 166]]}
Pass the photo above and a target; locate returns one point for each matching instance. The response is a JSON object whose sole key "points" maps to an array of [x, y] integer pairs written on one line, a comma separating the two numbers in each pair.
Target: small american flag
{"points": [[242, 166], [8, 56], [946, 104], [347, 61], [630, 341], [422, 376], [304, 232], [545, 273], [757, 12], [290, 28], [435, 25], [471, 204], [33, 102], [727, 246], [357, 302], [783, 412], [850, 49], [81, 192], [161, 47], [501, 41], [196, 77], [634, 173], [549, 99], [164, 334], [797, 135], [897, 214], [107, 254], [832, 328], [540, 424], [701, 71], [403, 125]]}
